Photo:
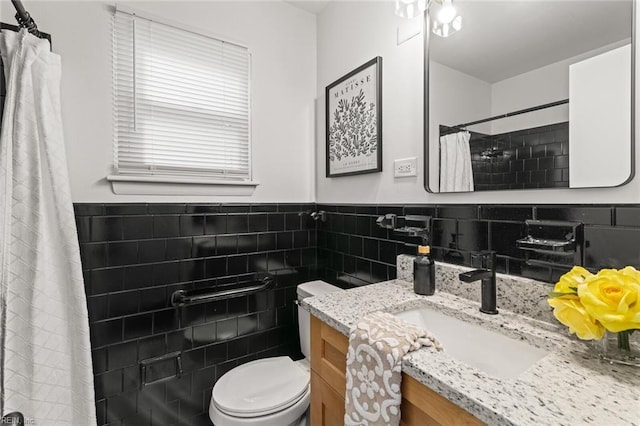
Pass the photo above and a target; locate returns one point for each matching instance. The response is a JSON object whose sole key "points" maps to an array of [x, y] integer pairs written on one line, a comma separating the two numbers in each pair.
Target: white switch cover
{"points": [[405, 167]]}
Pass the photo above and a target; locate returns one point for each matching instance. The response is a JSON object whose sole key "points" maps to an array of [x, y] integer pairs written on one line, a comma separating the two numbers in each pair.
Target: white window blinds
{"points": [[181, 102]]}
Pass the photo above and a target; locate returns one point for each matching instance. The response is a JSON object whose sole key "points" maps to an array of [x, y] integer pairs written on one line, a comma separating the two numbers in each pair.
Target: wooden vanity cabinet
{"points": [[420, 405]]}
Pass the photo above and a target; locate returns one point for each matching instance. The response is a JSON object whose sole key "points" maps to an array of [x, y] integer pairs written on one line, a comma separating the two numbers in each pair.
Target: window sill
{"points": [[168, 185]]}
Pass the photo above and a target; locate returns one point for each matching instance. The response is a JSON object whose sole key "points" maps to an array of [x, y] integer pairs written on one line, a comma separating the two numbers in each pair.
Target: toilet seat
{"points": [[259, 388], [290, 416]]}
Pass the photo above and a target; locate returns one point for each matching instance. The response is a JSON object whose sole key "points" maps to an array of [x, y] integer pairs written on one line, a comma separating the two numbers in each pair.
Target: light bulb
{"points": [[446, 21], [447, 12]]}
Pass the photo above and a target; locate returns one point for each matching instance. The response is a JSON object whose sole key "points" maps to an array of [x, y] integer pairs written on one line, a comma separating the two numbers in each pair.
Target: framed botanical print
{"points": [[354, 121]]}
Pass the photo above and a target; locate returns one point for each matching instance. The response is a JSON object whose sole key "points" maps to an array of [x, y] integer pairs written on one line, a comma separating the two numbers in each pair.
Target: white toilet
{"points": [[271, 391]]}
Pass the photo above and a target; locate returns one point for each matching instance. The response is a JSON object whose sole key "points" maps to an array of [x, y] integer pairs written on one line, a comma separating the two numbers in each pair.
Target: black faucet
{"points": [[488, 276]]}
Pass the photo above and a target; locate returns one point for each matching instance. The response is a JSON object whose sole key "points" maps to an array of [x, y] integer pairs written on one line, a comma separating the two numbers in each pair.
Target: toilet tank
{"points": [[308, 289]]}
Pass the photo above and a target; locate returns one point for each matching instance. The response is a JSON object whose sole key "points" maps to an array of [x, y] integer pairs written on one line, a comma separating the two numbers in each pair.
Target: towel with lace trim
{"points": [[377, 344]]}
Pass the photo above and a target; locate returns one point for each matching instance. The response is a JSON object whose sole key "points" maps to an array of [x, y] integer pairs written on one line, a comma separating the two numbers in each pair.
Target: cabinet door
{"points": [[329, 354], [422, 406], [327, 406]]}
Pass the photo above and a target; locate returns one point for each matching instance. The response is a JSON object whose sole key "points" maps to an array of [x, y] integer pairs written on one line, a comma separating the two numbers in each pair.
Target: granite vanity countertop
{"points": [[569, 386]]}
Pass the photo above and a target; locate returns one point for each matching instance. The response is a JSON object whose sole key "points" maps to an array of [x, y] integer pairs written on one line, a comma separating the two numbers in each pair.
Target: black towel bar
{"points": [[188, 297]]}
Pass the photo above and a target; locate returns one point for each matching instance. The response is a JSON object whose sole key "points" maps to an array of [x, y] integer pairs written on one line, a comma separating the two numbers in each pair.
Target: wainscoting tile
{"points": [[627, 216], [608, 247], [136, 255], [585, 214]]}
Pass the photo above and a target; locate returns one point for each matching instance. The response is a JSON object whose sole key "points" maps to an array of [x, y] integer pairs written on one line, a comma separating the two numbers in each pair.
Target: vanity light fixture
{"points": [[444, 17], [446, 20], [410, 8]]}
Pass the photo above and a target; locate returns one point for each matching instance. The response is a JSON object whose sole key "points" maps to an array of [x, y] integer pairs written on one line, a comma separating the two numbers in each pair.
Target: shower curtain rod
{"points": [[511, 114], [24, 18]]}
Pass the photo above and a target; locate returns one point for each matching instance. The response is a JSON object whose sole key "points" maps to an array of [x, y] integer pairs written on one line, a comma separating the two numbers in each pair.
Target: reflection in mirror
{"points": [[530, 94]]}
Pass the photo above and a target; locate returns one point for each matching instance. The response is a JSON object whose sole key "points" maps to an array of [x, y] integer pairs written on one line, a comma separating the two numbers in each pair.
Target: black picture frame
{"points": [[353, 114]]}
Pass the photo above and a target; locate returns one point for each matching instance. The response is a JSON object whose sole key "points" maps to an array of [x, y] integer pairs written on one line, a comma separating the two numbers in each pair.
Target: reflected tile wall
{"points": [[135, 256], [530, 158]]}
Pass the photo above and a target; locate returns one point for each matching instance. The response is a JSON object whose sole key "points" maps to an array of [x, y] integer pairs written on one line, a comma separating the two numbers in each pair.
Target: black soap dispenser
{"points": [[424, 272]]}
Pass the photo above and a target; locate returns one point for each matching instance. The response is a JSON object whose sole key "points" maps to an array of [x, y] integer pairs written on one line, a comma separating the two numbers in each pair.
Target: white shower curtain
{"points": [[456, 174], [45, 371]]}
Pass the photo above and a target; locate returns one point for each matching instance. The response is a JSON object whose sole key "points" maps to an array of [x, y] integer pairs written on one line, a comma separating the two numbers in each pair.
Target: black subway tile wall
{"points": [[136, 255], [530, 158], [364, 253]]}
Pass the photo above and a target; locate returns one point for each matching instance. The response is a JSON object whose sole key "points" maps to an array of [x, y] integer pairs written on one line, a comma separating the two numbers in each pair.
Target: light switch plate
{"points": [[405, 167]]}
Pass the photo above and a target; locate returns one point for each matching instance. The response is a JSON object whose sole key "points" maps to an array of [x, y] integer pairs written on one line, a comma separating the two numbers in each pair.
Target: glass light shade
{"points": [[446, 21], [447, 12], [410, 8]]}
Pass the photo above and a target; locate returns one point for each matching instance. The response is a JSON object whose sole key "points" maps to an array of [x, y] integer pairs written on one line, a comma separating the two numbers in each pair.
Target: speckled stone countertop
{"points": [[568, 386]]}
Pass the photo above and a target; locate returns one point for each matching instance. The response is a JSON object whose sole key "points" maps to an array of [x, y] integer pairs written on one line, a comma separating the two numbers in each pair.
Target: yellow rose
{"points": [[613, 298], [570, 312], [631, 272], [570, 281]]}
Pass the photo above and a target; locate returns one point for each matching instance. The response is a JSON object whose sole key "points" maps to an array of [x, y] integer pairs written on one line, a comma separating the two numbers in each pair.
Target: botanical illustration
{"points": [[353, 131], [354, 121]]}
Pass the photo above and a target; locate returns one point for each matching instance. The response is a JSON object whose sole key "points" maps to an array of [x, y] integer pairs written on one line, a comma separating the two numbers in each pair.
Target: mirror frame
{"points": [[427, 37]]}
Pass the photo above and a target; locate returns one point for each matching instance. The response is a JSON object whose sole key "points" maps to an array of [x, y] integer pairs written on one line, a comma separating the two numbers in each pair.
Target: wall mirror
{"points": [[530, 94]]}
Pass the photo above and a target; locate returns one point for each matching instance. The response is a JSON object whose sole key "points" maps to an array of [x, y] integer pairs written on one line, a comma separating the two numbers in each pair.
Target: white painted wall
{"points": [[536, 87], [455, 98], [349, 34], [288, 75], [282, 40]]}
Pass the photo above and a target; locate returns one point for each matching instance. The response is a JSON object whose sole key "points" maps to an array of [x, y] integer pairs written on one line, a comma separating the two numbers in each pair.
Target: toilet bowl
{"points": [[272, 391]]}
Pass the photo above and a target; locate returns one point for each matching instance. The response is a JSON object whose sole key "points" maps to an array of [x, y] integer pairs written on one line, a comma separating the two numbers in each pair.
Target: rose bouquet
{"points": [[591, 304]]}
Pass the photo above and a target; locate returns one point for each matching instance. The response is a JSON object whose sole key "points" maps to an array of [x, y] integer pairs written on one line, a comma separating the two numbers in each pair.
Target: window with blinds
{"points": [[181, 103]]}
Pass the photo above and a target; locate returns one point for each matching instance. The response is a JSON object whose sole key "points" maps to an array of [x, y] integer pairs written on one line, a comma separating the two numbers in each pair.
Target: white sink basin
{"points": [[494, 353]]}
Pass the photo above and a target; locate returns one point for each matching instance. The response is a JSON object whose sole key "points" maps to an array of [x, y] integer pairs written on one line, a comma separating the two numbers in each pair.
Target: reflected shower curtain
{"points": [[45, 359], [456, 174]]}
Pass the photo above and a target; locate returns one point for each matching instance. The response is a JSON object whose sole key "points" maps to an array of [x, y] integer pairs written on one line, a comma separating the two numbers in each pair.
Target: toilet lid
{"points": [[260, 387]]}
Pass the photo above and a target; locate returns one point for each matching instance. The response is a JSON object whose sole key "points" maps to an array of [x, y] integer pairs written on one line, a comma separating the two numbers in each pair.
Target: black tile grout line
{"points": [[278, 292], [366, 259], [361, 206], [192, 258], [166, 345], [500, 205], [178, 237], [371, 237], [138, 209], [138, 340], [166, 308], [180, 286], [534, 209], [613, 227], [458, 250]]}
